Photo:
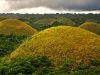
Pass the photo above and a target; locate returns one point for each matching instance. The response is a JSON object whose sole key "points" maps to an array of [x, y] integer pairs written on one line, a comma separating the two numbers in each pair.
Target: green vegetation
{"points": [[77, 18], [40, 27], [8, 43], [41, 65], [70, 47], [47, 19], [52, 22], [91, 26], [26, 66], [59, 43], [16, 27]]}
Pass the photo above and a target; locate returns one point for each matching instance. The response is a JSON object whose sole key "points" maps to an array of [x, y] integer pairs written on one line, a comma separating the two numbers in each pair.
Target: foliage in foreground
{"points": [[27, 66], [9, 43], [41, 65]]}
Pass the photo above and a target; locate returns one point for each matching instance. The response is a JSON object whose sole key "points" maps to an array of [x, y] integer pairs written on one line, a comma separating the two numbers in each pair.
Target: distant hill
{"points": [[52, 22], [16, 27], [49, 21], [66, 21], [46, 21], [91, 26]]}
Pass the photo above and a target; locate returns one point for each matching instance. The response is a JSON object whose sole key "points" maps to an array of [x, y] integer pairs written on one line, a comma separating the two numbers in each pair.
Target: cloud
{"points": [[3, 6], [55, 4], [49, 11]]}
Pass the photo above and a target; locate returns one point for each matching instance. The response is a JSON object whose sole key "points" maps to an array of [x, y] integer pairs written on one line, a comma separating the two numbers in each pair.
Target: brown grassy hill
{"points": [[60, 43], [16, 27], [50, 21], [66, 21], [46, 21], [91, 26]]}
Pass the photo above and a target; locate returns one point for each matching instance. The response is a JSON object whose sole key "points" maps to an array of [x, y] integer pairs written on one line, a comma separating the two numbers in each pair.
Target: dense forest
{"points": [[49, 44]]}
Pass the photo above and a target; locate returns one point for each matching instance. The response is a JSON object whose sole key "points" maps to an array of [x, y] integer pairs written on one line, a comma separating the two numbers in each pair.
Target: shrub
{"points": [[90, 71], [10, 42], [41, 65], [26, 65]]}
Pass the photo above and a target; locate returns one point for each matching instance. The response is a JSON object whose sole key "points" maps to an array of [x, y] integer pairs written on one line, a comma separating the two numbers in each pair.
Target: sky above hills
{"points": [[49, 6]]}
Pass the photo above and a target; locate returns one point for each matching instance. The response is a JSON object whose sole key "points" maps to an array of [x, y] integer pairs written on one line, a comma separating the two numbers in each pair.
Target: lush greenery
{"points": [[26, 66], [32, 18], [72, 48], [41, 65], [8, 43]]}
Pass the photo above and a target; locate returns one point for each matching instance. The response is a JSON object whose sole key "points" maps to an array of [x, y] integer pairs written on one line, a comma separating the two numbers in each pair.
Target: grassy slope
{"points": [[14, 26], [91, 26], [59, 43]]}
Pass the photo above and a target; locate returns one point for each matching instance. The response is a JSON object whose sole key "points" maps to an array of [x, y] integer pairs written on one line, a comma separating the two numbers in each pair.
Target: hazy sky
{"points": [[49, 6]]}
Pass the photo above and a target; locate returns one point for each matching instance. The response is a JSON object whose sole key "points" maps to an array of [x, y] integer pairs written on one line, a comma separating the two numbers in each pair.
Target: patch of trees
{"points": [[41, 65], [9, 42]]}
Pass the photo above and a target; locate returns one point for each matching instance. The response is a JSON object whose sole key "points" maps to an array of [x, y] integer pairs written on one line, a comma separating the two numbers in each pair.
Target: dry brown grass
{"points": [[16, 27], [91, 26], [60, 43]]}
